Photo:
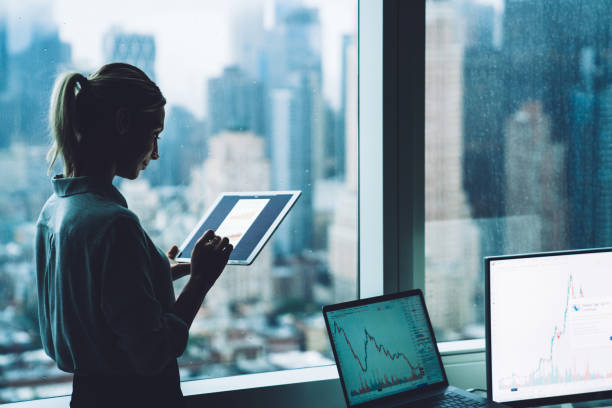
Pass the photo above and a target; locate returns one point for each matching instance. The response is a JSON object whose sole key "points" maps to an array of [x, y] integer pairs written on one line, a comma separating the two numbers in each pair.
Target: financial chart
{"points": [[384, 348], [551, 326]]}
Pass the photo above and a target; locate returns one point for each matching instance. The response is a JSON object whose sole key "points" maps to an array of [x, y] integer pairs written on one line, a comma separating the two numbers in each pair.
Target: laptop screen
{"points": [[384, 348]]}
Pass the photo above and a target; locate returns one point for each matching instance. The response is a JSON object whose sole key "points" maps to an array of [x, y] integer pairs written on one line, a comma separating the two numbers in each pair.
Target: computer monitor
{"points": [[549, 327]]}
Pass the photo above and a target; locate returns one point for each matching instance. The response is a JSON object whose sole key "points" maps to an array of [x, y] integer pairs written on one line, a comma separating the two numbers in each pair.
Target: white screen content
{"points": [[551, 326], [240, 219]]}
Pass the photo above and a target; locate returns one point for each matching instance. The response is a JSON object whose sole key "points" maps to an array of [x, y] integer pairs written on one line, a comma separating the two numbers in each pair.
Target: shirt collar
{"points": [[67, 186]]}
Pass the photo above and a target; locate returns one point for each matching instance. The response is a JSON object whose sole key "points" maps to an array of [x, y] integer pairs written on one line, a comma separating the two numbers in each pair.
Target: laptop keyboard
{"points": [[447, 401]]}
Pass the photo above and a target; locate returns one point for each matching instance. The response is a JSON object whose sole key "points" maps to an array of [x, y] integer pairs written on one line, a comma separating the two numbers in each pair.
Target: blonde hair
{"points": [[81, 109]]}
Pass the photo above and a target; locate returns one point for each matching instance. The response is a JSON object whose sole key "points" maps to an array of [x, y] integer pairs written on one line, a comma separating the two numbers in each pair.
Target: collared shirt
{"points": [[105, 293]]}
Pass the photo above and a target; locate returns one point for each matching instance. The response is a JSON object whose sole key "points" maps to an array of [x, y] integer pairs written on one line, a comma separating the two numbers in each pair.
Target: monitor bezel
{"points": [[400, 395], [567, 398]]}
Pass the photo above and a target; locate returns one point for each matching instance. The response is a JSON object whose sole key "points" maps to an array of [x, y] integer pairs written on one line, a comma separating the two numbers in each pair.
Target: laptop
{"points": [[387, 356]]}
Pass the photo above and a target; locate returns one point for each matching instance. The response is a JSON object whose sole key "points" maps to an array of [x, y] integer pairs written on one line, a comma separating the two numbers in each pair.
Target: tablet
{"points": [[246, 219]]}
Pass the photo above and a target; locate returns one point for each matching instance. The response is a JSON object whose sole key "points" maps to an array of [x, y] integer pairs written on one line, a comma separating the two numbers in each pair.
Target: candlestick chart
{"points": [[552, 334]]}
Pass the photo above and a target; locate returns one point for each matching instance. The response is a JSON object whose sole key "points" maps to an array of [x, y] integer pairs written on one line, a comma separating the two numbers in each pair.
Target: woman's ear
{"points": [[122, 121]]}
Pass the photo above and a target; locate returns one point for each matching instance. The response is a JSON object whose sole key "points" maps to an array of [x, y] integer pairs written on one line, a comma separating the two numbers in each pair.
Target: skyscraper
{"points": [[452, 253], [235, 102], [348, 43], [182, 147], [343, 241], [3, 55], [292, 74], [590, 167], [134, 49], [236, 162], [535, 210], [33, 71], [483, 110]]}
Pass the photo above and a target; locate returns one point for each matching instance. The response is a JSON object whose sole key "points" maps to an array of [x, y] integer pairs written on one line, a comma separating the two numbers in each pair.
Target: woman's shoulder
{"points": [[84, 214]]}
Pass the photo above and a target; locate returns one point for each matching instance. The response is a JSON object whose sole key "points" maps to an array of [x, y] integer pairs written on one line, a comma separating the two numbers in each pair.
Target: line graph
{"points": [[551, 326], [378, 381], [546, 371]]}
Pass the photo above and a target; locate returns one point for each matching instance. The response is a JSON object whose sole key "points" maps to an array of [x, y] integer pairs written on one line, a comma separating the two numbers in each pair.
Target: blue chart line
{"points": [[553, 374]]}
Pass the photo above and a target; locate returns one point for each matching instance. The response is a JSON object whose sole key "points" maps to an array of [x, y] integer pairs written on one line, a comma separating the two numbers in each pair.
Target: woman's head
{"points": [[109, 121]]}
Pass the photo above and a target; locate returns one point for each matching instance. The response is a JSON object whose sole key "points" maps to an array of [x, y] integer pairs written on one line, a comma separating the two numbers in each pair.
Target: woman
{"points": [[107, 308]]}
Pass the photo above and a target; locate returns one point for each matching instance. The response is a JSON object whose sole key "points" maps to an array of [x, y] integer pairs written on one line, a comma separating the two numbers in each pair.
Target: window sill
{"points": [[288, 382], [451, 348], [269, 379]]}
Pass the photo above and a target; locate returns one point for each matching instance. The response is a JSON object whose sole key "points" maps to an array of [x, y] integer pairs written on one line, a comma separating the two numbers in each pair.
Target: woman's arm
{"points": [[208, 260]]}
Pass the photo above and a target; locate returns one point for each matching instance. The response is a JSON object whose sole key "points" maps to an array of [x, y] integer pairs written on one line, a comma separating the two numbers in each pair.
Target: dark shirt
{"points": [[104, 289]]}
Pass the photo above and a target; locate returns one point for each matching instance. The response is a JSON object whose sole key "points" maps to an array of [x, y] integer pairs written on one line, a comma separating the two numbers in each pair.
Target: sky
{"points": [[193, 37]]}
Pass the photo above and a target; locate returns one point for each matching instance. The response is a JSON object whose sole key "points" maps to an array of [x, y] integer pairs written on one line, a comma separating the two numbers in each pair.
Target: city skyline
{"points": [[280, 133], [184, 84]]}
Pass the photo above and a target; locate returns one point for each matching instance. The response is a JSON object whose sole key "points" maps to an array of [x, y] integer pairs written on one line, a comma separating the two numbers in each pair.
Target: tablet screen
{"points": [[246, 219]]}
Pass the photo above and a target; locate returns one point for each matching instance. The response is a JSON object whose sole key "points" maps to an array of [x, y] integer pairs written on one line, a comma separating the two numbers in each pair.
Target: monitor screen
{"points": [[550, 325], [384, 348]]}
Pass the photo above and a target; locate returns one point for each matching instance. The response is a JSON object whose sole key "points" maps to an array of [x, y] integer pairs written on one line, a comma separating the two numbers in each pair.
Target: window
{"points": [[517, 134], [261, 95]]}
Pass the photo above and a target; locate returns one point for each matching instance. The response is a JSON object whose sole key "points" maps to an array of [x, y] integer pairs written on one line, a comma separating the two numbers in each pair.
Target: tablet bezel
{"points": [[295, 194]]}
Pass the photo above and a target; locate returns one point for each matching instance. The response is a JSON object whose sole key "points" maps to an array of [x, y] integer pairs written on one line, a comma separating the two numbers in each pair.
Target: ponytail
{"points": [[63, 119], [82, 114]]}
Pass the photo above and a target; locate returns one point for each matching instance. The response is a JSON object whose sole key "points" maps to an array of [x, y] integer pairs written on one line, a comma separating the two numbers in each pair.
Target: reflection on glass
{"points": [[518, 141], [261, 95]]}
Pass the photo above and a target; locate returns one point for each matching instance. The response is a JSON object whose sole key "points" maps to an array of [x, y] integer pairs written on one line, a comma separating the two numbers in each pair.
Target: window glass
{"points": [[518, 97], [262, 95]]}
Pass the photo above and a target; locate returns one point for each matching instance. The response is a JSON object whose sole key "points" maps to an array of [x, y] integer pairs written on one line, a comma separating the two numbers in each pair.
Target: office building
{"points": [[182, 146], [535, 211], [343, 250], [235, 102], [135, 49], [3, 55], [32, 73], [590, 168], [247, 39], [235, 162], [292, 74], [452, 254]]}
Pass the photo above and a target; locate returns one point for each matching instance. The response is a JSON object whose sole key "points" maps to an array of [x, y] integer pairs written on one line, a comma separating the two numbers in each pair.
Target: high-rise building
{"points": [[483, 110], [3, 55], [236, 162], [5, 105], [483, 136], [235, 102], [590, 166], [134, 49], [348, 44], [343, 254], [452, 253], [292, 74], [247, 38], [181, 147], [33, 71], [535, 213]]}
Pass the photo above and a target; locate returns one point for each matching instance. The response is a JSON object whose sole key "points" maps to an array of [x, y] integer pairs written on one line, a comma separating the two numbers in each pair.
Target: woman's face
{"points": [[132, 167]]}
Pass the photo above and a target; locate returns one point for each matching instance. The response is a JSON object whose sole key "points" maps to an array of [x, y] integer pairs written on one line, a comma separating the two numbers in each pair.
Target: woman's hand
{"points": [[178, 270], [208, 259]]}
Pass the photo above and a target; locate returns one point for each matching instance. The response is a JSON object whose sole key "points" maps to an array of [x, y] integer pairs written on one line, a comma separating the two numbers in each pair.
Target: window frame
{"points": [[391, 209]]}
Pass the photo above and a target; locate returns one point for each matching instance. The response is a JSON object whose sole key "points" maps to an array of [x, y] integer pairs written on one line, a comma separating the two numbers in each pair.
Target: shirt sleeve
{"points": [[149, 337]]}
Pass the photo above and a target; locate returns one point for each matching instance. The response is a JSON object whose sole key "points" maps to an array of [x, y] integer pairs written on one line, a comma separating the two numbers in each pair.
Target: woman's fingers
{"points": [[221, 243], [208, 235], [172, 252]]}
